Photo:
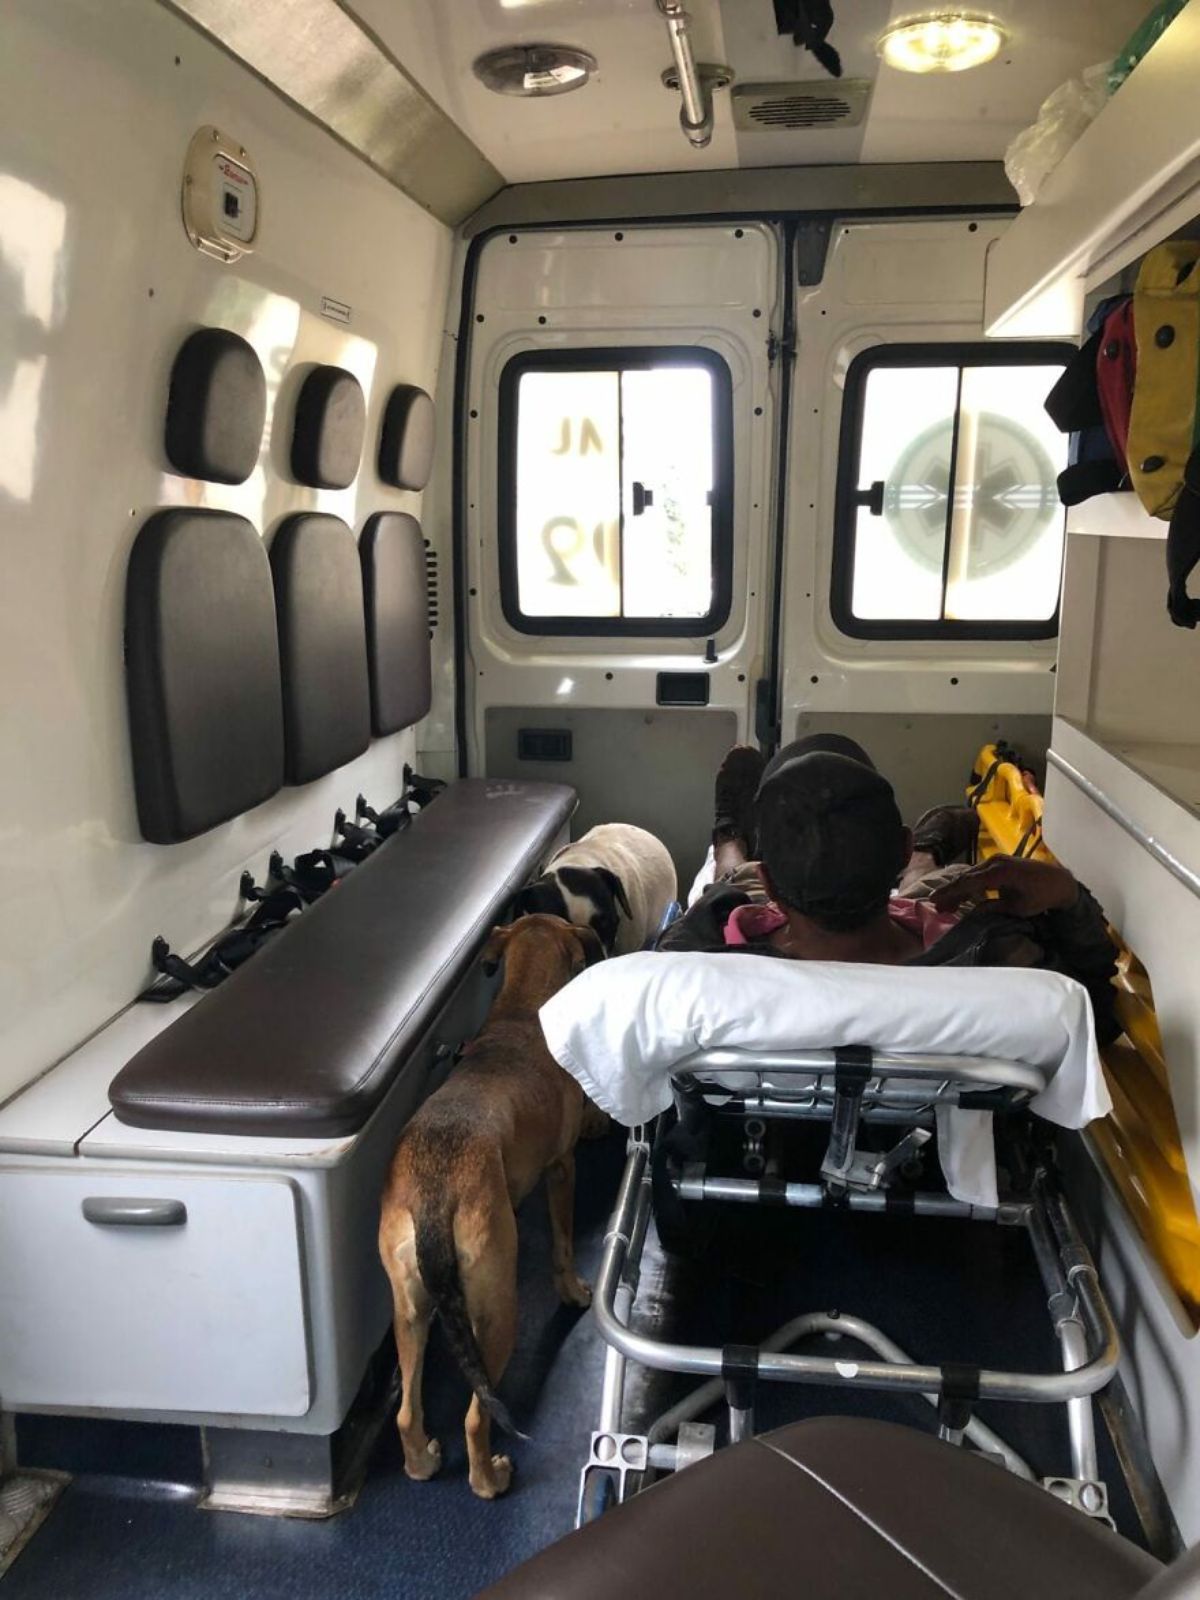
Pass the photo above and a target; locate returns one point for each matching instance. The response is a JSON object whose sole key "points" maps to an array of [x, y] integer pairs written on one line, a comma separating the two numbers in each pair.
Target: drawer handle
{"points": [[114, 1212]]}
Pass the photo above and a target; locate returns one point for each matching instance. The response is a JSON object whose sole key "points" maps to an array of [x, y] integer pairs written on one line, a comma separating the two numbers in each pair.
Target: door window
{"points": [[949, 522], [616, 492]]}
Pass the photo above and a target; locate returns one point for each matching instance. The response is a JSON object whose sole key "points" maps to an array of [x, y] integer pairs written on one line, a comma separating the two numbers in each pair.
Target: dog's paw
{"points": [[573, 1291], [425, 1463], [498, 1482]]}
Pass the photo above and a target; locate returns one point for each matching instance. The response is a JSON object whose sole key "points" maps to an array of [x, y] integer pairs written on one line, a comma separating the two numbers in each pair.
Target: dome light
{"points": [[949, 41], [534, 69]]}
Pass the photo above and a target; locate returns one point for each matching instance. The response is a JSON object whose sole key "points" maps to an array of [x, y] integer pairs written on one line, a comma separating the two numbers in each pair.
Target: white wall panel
{"points": [[913, 282], [98, 286]]}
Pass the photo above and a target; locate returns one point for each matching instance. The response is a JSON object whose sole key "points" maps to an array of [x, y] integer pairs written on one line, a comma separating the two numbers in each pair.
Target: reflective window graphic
{"points": [[616, 495], [950, 514]]}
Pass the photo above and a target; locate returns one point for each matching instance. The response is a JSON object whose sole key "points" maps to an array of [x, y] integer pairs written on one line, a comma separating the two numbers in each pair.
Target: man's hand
{"points": [[1005, 883]]}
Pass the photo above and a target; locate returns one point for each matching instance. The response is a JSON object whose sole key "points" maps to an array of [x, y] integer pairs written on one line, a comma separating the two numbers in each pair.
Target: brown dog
{"points": [[475, 1149]]}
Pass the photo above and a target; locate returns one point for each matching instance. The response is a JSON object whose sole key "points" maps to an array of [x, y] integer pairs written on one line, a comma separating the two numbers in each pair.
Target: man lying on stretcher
{"points": [[838, 879]]}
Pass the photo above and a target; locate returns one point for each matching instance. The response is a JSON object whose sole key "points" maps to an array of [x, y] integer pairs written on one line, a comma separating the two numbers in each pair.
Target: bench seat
{"points": [[834, 1508], [304, 1040]]}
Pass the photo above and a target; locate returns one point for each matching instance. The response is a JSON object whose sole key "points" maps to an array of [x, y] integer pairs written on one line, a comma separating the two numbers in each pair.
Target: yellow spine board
{"points": [[1139, 1141]]}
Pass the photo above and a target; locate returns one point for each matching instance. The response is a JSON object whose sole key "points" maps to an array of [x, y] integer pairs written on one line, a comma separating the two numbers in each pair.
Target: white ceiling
{"points": [[625, 121]]}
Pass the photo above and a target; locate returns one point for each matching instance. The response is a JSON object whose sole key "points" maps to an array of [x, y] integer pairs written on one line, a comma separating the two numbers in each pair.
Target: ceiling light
{"points": [[950, 41], [534, 69]]}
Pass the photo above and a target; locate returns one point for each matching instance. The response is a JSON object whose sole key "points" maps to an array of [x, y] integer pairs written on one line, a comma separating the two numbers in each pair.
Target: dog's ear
{"points": [[617, 887], [590, 945], [522, 902], [493, 951]]}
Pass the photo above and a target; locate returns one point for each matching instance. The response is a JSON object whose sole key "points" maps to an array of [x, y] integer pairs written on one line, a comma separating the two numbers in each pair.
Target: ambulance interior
{"points": [[430, 430]]}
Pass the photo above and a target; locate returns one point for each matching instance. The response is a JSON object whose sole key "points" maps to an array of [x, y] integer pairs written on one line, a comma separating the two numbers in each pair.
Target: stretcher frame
{"points": [[847, 1088]]}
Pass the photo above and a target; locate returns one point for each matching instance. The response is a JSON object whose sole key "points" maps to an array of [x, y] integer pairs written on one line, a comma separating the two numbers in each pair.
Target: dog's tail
{"points": [[437, 1260]]}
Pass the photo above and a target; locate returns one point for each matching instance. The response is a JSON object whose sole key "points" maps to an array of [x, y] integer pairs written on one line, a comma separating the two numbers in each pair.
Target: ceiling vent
{"points": [[792, 107]]}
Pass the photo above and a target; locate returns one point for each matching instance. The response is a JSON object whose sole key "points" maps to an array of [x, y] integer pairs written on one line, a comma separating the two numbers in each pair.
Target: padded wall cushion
{"points": [[395, 596], [202, 672], [406, 439], [322, 645], [331, 417], [216, 407]]}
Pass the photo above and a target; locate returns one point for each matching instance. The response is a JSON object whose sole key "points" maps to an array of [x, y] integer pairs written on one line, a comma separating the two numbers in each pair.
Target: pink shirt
{"points": [[749, 924]]}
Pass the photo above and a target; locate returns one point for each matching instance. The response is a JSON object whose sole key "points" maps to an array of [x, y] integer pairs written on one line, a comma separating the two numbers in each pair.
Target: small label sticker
{"points": [[335, 310]]}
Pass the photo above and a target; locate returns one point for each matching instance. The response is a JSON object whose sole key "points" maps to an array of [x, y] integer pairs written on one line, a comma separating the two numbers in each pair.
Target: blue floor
{"points": [[128, 1528]]}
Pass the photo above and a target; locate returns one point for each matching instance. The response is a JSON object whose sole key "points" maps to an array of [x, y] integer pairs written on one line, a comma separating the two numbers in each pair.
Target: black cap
{"points": [[837, 744], [830, 836]]}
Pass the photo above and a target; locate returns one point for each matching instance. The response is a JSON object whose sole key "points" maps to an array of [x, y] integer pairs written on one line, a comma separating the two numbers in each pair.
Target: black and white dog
{"points": [[618, 880]]}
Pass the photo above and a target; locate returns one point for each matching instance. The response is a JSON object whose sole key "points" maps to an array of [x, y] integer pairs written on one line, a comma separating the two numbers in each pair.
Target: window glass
{"points": [[666, 553], [952, 519], [1006, 532], [569, 494], [908, 418], [619, 494]]}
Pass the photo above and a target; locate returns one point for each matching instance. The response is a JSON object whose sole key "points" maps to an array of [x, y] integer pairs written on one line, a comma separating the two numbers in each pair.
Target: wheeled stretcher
{"points": [[881, 1105]]}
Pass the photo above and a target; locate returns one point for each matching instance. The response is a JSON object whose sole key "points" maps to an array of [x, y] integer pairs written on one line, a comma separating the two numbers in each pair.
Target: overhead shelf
{"points": [[1115, 516], [1130, 181]]}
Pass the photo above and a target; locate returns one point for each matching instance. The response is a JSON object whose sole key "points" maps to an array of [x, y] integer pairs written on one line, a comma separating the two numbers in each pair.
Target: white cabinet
{"points": [[1130, 181], [221, 1271]]}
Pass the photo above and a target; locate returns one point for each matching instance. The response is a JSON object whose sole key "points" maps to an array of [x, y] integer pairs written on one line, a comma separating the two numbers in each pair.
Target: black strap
{"points": [[853, 1065], [1183, 547], [980, 789], [357, 843], [1074, 402], [297, 885], [739, 1368], [1028, 838], [421, 791], [1086, 479], [224, 955], [311, 874], [772, 1191], [809, 22], [957, 1394], [393, 820]]}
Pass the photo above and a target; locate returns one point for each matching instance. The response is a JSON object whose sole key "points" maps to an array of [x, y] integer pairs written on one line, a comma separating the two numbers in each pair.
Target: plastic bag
{"points": [[1034, 154], [1149, 31]]}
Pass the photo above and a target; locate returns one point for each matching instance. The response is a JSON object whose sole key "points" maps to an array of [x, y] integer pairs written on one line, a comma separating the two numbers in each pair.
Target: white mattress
{"points": [[623, 1026]]}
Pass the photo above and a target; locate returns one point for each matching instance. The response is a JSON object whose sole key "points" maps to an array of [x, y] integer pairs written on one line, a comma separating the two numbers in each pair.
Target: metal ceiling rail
{"points": [[885, 189]]}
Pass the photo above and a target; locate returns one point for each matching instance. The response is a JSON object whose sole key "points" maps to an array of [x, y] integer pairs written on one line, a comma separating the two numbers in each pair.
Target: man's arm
{"points": [[702, 927], [1068, 919]]}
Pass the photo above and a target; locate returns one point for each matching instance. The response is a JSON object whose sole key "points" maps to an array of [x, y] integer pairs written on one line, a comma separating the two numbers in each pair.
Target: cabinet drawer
{"points": [[151, 1292]]}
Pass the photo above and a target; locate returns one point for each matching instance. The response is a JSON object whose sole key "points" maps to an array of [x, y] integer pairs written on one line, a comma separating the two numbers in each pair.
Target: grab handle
{"points": [[115, 1211]]}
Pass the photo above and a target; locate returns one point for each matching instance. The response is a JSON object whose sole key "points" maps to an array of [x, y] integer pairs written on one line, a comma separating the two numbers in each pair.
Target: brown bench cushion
{"points": [[304, 1040], [838, 1507]]}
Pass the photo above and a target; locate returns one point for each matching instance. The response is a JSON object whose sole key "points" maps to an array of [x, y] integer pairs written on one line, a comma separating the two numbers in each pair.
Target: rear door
{"points": [[924, 531], [619, 455]]}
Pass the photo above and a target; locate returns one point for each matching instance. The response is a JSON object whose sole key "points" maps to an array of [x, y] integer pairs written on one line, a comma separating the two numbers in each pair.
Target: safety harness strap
{"points": [[957, 1394], [739, 1368]]}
